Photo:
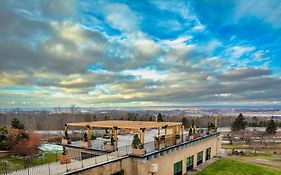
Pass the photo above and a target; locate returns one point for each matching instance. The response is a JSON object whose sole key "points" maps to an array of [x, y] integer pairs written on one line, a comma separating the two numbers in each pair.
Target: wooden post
{"points": [[114, 135], [142, 135], [158, 131], [174, 134], [65, 127], [166, 133], [89, 135], [182, 129]]}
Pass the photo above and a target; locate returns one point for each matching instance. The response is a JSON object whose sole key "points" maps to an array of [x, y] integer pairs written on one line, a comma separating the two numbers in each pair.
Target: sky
{"points": [[140, 53]]}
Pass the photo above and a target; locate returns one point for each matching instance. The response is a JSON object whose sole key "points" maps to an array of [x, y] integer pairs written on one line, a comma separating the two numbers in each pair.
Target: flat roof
{"points": [[123, 124]]}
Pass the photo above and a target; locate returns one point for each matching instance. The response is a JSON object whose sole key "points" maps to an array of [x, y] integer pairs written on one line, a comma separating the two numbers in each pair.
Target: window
{"points": [[208, 153], [189, 163], [199, 158], [178, 168]]}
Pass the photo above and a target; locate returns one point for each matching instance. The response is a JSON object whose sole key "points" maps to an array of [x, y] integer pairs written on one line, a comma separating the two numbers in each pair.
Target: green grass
{"points": [[234, 167], [17, 163]]}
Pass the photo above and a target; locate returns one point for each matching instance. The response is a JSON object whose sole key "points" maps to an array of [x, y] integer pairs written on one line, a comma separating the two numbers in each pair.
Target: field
{"points": [[227, 166]]}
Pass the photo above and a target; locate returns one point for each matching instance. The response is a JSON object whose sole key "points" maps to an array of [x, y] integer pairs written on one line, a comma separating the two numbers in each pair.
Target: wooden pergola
{"points": [[137, 126]]}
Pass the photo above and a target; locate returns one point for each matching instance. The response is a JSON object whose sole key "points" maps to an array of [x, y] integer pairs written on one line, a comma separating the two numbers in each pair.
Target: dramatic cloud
{"points": [[60, 53]]}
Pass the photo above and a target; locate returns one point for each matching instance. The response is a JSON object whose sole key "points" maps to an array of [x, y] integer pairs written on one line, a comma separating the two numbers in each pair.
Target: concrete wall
{"points": [[110, 168], [140, 166], [166, 162]]}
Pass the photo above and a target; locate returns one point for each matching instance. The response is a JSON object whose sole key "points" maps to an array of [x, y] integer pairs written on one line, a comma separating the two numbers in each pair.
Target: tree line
{"points": [[55, 121]]}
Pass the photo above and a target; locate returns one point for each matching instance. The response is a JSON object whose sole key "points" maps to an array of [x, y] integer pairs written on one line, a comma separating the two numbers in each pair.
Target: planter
{"points": [[196, 135], [137, 151], [160, 146], [65, 159], [86, 144], [178, 141], [109, 147], [65, 141]]}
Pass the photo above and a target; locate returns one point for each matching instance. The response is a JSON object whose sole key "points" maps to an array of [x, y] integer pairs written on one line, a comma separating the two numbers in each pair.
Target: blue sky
{"points": [[140, 53]]}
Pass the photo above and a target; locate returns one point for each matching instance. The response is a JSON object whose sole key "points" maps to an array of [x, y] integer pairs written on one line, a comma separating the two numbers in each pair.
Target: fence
{"points": [[57, 168], [77, 163]]}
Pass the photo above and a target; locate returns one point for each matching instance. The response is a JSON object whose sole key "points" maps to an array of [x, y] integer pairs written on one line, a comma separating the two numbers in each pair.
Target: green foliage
{"points": [[94, 137], [234, 167], [18, 163], [271, 127], [85, 137], [211, 126], [112, 140], [64, 152], [137, 142], [106, 135], [4, 141], [17, 124], [160, 118], [239, 123]]}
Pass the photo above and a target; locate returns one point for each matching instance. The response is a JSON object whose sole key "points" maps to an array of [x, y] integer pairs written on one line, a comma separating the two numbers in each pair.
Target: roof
{"points": [[123, 124]]}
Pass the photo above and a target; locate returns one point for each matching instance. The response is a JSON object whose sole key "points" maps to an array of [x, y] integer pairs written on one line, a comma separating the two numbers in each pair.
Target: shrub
{"points": [[28, 146], [136, 144]]}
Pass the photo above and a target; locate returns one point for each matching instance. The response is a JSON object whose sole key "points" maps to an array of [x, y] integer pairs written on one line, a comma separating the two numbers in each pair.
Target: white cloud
{"points": [[120, 16], [267, 11], [239, 50], [146, 74]]}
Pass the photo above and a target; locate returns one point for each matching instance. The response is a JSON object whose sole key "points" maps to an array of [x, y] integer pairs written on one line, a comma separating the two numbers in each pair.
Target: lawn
{"points": [[16, 163], [234, 167]]}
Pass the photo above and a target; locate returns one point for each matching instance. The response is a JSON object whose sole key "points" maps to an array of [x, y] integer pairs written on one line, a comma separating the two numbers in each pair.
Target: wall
{"points": [[166, 162], [139, 166]]}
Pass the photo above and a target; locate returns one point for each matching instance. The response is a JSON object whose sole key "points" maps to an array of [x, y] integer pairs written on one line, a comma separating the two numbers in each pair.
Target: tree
{"points": [[29, 146], [239, 123], [160, 118], [136, 144], [185, 122], [17, 124], [271, 127], [4, 142]]}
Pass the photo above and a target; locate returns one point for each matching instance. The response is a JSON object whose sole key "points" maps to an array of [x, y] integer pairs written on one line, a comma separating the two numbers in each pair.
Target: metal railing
{"points": [[77, 163], [57, 168]]}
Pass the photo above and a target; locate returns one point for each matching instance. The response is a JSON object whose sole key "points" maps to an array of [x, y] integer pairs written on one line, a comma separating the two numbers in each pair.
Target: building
{"points": [[157, 148]]}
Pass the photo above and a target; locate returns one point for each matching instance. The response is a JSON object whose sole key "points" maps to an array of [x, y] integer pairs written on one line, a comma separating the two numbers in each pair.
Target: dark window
{"points": [[199, 158], [178, 168], [208, 153], [189, 163]]}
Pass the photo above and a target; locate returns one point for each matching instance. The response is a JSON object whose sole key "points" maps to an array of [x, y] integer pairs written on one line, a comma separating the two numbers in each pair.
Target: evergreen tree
{"points": [[271, 127], [239, 123], [17, 124], [160, 118]]}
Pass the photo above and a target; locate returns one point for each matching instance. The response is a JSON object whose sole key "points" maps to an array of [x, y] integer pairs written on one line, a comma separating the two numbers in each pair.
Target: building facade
{"points": [[173, 160]]}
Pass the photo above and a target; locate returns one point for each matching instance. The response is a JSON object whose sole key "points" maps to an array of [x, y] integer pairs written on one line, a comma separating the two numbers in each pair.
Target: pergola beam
{"points": [[121, 124]]}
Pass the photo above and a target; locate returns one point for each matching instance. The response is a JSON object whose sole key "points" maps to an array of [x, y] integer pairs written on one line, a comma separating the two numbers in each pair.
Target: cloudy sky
{"points": [[140, 53]]}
